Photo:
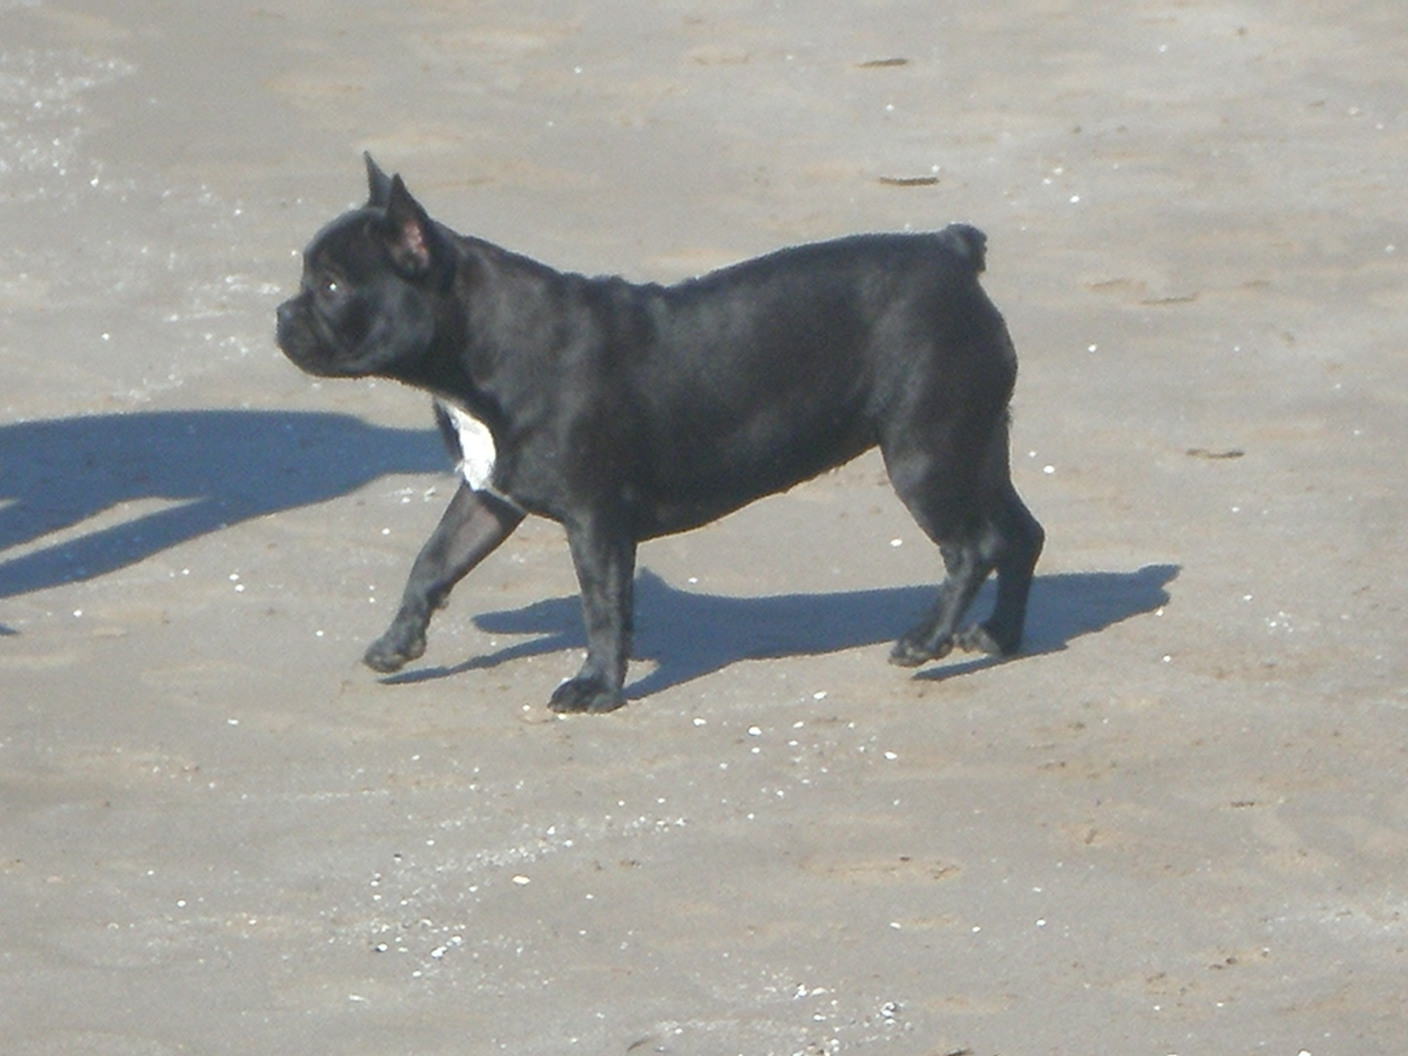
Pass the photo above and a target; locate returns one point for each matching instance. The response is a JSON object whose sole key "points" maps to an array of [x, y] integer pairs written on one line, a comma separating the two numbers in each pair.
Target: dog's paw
{"points": [[978, 639], [580, 695], [914, 649], [391, 652], [982, 638]]}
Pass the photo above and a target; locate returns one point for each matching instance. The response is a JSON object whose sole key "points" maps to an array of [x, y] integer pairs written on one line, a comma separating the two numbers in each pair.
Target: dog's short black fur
{"points": [[628, 411]]}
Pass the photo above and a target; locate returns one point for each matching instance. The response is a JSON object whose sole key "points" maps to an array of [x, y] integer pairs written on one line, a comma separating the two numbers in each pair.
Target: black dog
{"points": [[627, 412]]}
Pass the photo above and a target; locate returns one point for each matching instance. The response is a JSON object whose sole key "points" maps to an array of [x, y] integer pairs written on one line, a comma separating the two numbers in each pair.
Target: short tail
{"points": [[969, 242]]}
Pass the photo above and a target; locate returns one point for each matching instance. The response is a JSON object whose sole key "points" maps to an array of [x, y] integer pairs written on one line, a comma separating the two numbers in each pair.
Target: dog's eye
{"points": [[331, 289]]}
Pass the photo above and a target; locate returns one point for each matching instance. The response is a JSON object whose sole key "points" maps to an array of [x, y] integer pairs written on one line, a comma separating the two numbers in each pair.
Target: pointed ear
{"points": [[410, 235], [378, 183]]}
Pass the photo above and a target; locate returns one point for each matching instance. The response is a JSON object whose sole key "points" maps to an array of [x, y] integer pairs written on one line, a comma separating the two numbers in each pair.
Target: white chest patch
{"points": [[476, 445]]}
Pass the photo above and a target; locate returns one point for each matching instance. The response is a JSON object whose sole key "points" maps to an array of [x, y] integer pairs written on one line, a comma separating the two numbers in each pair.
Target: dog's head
{"points": [[366, 304]]}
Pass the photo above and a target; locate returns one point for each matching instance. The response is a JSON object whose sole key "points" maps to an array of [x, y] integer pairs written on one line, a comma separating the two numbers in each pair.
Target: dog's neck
{"points": [[521, 322], [478, 332]]}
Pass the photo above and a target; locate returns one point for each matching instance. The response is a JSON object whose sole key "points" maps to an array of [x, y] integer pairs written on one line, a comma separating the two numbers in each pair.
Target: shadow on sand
{"points": [[204, 470], [689, 635]]}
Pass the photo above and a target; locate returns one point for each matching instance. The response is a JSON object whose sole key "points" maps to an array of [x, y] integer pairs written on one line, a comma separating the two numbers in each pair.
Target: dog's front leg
{"points": [[605, 558], [474, 524]]}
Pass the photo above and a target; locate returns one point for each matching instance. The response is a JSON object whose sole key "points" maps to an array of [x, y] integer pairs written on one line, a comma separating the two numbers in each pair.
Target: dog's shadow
{"points": [[174, 476], [689, 635], [82, 497]]}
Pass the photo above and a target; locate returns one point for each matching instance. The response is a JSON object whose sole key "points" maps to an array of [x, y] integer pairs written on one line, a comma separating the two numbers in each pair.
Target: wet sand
{"points": [[1178, 824]]}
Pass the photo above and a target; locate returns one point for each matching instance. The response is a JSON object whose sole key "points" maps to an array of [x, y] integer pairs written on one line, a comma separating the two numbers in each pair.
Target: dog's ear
{"points": [[410, 234], [378, 183]]}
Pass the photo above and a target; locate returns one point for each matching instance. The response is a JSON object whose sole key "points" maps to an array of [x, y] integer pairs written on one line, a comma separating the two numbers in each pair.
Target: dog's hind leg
{"points": [[475, 523], [974, 515], [1022, 538], [933, 637]]}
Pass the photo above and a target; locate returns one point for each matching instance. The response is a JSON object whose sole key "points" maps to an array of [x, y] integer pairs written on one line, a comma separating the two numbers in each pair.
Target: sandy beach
{"points": [[1177, 825]]}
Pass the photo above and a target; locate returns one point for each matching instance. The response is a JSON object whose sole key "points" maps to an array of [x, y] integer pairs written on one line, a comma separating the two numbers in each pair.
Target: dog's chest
{"points": [[476, 444]]}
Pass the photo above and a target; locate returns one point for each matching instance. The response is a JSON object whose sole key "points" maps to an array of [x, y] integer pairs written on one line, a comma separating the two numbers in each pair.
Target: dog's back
{"points": [[760, 375]]}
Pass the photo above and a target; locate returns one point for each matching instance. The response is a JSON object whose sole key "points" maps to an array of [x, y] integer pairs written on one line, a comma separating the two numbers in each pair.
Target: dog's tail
{"points": [[970, 244]]}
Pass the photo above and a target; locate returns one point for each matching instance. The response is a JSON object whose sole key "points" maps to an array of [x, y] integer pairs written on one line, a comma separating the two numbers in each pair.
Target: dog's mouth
{"points": [[295, 338], [310, 361], [308, 342]]}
